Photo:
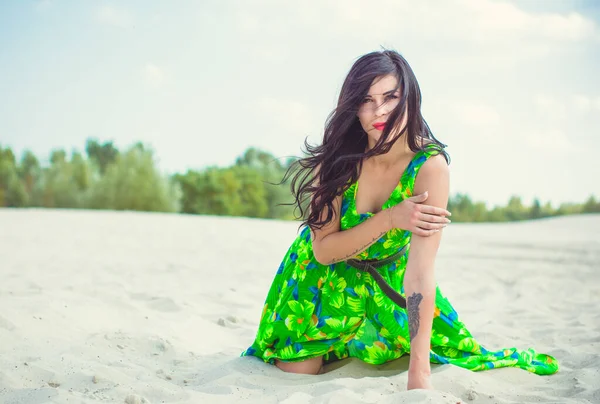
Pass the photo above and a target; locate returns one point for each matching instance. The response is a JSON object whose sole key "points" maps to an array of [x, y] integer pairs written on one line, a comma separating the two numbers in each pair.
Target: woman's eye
{"points": [[392, 97], [366, 100]]}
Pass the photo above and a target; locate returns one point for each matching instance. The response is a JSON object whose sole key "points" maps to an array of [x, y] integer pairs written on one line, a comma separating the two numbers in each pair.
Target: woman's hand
{"points": [[412, 215]]}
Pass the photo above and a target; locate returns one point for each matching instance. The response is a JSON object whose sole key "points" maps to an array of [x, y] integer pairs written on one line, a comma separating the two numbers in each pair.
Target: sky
{"points": [[512, 87]]}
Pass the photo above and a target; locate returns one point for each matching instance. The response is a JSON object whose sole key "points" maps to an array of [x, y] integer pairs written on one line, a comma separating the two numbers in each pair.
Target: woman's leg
{"points": [[309, 367]]}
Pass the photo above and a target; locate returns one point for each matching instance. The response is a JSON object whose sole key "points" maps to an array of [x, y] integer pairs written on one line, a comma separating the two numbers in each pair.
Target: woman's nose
{"points": [[381, 109]]}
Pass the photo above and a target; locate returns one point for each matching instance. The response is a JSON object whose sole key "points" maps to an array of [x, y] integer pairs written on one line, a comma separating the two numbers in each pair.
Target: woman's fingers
{"points": [[433, 210], [430, 226], [424, 232], [433, 218]]}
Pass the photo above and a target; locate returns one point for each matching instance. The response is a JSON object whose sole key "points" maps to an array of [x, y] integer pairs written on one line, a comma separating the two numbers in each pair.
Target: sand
{"points": [[126, 307]]}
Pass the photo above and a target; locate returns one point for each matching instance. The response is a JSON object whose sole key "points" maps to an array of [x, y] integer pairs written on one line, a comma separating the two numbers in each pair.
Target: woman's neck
{"points": [[397, 153]]}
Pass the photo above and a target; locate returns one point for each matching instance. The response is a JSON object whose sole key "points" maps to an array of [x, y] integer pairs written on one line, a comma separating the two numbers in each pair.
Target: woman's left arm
{"points": [[419, 280]]}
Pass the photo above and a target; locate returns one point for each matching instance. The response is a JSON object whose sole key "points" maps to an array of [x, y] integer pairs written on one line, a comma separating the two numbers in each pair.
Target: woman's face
{"points": [[383, 97]]}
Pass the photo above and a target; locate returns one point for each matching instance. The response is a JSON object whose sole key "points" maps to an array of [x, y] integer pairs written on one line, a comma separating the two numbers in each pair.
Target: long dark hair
{"points": [[336, 163]]}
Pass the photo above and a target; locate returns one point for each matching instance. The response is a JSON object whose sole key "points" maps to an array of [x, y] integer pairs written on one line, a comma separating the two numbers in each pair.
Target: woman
{"points": [[323, 305]]}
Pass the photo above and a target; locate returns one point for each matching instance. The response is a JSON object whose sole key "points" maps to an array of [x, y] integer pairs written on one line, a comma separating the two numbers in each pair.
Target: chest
{"points": [[374, 189]]}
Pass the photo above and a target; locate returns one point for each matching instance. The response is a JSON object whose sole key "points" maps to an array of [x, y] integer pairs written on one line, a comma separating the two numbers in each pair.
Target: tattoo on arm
{"points": [[360, 249], [412, 305]]}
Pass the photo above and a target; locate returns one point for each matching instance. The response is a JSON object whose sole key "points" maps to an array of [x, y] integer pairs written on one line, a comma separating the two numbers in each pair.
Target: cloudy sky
{"points": [[513, 87]]}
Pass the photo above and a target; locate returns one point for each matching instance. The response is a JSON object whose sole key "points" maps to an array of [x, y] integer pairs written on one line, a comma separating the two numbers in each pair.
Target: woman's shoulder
{"points": [[433, 173], [431, 160], [435, 163]]}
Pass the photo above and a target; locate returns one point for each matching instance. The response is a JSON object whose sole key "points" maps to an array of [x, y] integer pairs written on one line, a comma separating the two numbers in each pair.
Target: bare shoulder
{"points": [[435, 166], [434, 177]]}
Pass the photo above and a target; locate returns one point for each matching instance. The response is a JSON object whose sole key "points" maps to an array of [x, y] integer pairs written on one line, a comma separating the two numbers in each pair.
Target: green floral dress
{"points": [[316, 310]]}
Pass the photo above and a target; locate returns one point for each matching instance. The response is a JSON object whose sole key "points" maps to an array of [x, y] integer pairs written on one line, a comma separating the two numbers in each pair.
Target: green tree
{"points": [[548, 210], [591, 205], [497, 214], [102, 155], [191, 192], [569, 209], [64, 182], [271, 171], [253, 195], [536, 209], [30, 174], [462, 208], [12, 190], [235, 191], [515, 209], [133, 182], [81, 172], [215, 191]]}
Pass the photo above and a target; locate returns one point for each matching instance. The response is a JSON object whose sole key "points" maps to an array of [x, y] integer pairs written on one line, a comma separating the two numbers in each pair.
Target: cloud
{"points": [[284, 124], [153, 75], [550, 106], [470, 20], [247, 23], [586, 104], [285, 113], [469, 118], [497, 20], [562, 123], [552, 140], [560, 108], [475, 114], [582, 103], [492, 31], [112, 16], [478, 21]]}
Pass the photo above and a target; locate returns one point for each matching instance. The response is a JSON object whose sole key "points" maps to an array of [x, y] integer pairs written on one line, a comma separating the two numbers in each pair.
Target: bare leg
{"points": [[309, 367]]}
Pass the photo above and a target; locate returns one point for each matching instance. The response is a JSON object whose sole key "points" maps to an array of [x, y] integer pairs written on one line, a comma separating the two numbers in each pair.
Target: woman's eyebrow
{"points": [[386, 93]]}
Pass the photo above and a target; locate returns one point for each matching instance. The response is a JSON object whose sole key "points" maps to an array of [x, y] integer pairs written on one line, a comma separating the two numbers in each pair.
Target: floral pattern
{"points": [[336, 311]]}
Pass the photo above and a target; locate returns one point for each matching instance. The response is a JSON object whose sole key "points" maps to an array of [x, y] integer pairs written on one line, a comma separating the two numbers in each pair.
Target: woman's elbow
{"points": [[318, 254]]}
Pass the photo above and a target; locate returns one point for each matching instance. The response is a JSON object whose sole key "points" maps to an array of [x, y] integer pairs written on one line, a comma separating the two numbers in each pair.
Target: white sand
{"points": [[134, 307]]}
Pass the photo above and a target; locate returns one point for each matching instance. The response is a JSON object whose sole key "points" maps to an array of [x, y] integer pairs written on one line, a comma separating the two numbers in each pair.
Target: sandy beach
{"points": [[125, 307]]}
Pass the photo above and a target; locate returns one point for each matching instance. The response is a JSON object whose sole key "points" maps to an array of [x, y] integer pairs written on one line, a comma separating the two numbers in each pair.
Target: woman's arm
{"points": [[330, 245], [419, 280]]}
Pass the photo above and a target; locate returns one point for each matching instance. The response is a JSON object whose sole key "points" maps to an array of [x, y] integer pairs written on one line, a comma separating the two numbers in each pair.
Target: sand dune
{"points": [[139, 307]]}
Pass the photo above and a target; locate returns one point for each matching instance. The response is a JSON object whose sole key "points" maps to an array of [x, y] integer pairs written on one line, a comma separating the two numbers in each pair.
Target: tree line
{"points": [[106, 178]]}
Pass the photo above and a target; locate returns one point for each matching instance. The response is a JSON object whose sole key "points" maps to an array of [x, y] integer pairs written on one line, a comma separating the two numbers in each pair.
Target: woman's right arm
{"points": [[330, 245]]}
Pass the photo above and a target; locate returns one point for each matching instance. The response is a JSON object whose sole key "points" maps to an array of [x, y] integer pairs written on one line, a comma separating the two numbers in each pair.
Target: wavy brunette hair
{"points": [[330, 168]]}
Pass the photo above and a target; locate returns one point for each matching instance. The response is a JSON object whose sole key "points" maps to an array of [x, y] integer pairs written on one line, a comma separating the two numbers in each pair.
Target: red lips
{"points": [[379, 125]]}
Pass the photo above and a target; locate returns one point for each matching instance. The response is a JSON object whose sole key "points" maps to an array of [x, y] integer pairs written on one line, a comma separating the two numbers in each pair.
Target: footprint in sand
{"points": [[229, 322]]}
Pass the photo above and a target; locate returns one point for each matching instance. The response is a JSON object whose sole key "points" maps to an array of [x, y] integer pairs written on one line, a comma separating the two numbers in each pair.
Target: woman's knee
{"points": [[309, 367]]}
